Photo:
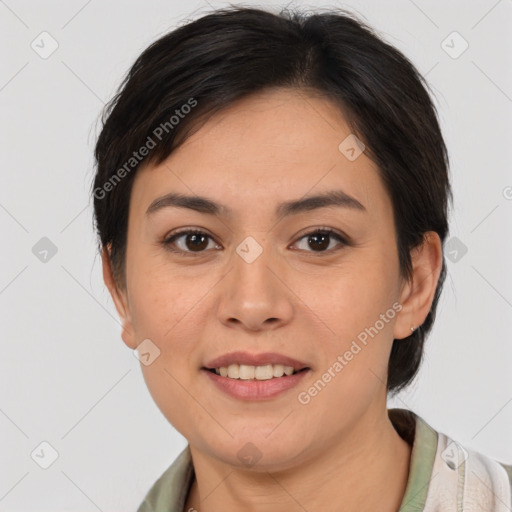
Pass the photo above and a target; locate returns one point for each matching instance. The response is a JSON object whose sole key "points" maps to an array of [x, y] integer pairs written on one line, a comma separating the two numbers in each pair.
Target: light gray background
{"points": [[66, 376]]}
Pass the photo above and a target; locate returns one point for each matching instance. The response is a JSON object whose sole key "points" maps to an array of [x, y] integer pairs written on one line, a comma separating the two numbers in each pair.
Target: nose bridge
{"points": [[253, 292], [252, 259]]}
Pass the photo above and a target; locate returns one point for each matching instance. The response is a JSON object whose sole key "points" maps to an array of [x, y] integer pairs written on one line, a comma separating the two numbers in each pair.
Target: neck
{"points": [[366, 470]]}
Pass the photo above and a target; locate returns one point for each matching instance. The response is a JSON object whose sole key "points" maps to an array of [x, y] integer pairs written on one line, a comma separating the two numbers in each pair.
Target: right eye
{"points": [[192, 239]]}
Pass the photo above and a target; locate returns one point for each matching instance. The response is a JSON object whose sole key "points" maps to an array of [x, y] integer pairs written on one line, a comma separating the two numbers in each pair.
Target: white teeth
{"points": [[233, 371], [278, 370], [264, 372], [248, 372]]}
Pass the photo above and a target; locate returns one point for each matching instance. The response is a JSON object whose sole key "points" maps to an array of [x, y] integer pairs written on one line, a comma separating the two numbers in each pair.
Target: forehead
{"points": [[266, 149]]}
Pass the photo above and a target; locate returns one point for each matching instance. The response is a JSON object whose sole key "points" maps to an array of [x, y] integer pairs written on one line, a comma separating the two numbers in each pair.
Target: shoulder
{"points": [[465, 479], [445, 475]]}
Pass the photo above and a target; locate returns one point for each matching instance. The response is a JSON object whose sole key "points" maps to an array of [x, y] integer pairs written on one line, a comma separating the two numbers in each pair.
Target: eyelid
{"points": [[342, 238]]}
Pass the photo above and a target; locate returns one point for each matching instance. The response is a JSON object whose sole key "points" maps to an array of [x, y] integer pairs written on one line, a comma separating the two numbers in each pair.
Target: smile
{"points": [[248, 372], [247, 387]]}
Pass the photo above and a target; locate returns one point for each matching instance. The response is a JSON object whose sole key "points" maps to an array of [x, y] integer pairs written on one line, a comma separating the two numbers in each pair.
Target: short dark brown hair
{"points": [[200, 68]]}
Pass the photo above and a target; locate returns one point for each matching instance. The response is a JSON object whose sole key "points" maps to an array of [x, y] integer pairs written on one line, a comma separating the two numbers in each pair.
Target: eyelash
{"points": [[325, 231]]}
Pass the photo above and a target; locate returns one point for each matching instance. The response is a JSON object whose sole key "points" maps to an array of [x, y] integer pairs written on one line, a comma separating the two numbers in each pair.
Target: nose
{"points": [[254, 295]]}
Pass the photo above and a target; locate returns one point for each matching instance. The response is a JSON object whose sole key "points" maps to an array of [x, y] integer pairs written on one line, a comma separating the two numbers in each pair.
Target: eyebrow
{"points": [[333, 198]]}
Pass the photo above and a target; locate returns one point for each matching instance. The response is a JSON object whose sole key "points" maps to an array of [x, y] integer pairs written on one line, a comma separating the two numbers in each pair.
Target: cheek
{"points": [[358, 305], [165, 311], [354, 295], [163, 302]]}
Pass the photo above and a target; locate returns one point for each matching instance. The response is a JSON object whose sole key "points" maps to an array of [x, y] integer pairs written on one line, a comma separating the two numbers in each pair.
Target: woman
{"points": [[271, 200]]}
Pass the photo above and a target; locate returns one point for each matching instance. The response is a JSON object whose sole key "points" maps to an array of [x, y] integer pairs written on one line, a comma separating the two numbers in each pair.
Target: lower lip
{"points": [[255, 389]]}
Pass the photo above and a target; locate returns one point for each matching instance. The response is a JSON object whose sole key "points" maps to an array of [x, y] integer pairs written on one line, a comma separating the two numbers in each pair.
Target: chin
{"points": [[259, 454]]}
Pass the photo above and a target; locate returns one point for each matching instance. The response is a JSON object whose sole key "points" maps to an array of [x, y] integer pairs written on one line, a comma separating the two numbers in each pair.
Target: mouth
{"points": [[255, 389], [249, 385], [248, 376], [245, 365], [248, 372]]}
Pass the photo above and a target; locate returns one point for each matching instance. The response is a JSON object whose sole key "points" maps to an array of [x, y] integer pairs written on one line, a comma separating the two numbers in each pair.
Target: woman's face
{"points": [[254, 281]]}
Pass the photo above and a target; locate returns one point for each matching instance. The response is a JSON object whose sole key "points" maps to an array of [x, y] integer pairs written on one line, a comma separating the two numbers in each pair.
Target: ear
{"points": [[120, 300], [417, 294]]}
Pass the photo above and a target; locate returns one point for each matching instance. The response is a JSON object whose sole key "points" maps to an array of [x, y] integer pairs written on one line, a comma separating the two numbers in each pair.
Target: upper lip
{"points": [[240, 357]]}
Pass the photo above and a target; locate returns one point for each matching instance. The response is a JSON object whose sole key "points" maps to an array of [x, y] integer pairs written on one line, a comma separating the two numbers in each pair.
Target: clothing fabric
{"points": [[444, 476]]}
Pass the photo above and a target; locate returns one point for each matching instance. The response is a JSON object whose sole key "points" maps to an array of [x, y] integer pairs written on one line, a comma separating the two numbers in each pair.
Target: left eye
{"points": [[321, 238], [196, 241]]}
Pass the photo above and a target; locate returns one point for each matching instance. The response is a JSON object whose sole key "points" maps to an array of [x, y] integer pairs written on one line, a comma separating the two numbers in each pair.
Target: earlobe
{"points": [[120, 300], [417, 294]]}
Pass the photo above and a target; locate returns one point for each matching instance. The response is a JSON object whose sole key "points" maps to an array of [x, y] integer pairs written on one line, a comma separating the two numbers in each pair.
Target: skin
{"points": [[274, 146]]}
